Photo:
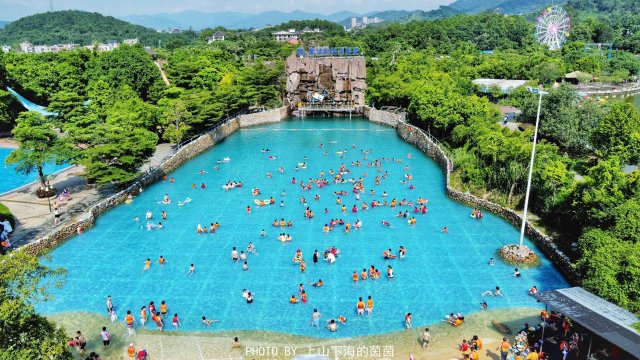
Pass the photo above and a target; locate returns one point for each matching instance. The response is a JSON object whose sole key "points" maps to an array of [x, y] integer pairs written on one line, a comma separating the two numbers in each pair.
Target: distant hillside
{"points": [[442, 12], [502, 6], [72, 27], [403, 16], [475, 6], [231, 20], [523, 6], [3, 24]]}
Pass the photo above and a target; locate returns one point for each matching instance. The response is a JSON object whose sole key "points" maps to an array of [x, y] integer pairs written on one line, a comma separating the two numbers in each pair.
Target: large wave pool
{"points": [[442, 273], [11, 179]]}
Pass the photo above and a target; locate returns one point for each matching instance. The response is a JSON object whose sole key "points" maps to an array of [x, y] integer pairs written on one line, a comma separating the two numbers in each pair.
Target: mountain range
{"points": [[501, 6], [197, 20]]}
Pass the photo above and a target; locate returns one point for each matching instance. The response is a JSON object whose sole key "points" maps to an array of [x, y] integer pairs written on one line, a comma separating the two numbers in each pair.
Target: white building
{"points": [[6, 48], [130, 41], [354, 22], [26, 47], [217, 36], [365, 21], [283, 36]]}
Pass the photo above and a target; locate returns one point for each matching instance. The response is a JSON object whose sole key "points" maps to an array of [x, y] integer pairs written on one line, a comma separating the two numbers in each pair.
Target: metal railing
{"points": [[212, 127]]}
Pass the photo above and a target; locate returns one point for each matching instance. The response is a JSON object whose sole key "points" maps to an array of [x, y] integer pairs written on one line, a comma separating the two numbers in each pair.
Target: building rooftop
{"points": [[504, 84], [505, 109], [599, 316]]}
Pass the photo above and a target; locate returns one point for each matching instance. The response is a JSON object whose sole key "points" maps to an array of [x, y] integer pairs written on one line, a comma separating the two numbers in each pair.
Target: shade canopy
{"points": [[606, 320]]}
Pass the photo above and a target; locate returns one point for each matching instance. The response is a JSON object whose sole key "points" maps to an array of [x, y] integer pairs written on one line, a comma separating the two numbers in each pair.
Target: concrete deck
{"points": [[33, 217]]}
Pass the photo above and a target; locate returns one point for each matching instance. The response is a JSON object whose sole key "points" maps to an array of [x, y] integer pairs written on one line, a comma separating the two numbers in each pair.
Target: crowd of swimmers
{"points": [[341, 176]]}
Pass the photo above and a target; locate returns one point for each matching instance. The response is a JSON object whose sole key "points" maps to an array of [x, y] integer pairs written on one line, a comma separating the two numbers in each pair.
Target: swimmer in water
{"points": [[251, 249], [263, 233], [147, 265], [192, 268], [492, 293], [207, 321], [402, 252], [491, 262]]}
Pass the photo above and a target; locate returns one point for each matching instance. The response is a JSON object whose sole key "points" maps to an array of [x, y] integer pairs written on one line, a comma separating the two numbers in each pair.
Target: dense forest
{"points": [[84, 28], [580, 193]]}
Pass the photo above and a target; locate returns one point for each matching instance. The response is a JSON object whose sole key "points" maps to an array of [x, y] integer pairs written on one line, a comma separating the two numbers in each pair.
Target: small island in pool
{"points": [[350, 171]]}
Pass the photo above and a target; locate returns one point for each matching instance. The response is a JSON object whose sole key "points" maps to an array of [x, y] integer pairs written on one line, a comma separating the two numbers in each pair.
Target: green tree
{"points": [[618, 133], [602, 192], [174, 118], [25, 282], [39, 144], [116, 152], [128, 65], [610, 268], [66, 104]]}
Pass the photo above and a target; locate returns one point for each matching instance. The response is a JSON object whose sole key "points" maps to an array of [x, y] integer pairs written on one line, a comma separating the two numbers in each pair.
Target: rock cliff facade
{"points": [[339, 80]]}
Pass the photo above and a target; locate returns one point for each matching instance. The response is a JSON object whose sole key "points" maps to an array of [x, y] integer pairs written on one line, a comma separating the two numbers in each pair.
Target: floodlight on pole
{"points": [[533, 90]]}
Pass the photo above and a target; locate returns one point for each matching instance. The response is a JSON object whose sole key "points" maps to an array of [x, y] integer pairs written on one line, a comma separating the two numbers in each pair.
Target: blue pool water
{"points": [[442, 273], [11, 179]]}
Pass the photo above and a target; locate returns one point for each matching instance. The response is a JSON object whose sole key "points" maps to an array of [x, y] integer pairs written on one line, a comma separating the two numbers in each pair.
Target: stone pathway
{"points": [[33, 216]]}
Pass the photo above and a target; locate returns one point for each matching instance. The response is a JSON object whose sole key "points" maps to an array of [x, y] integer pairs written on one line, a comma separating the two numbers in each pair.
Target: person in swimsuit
{"points": [[207, 321], [315, 318], [129, 320], [175, 321], [163, 308], [407, 321], [192, 268], [143, 316], [360, 306], [109, 304], [147, 265], [332, 326]]}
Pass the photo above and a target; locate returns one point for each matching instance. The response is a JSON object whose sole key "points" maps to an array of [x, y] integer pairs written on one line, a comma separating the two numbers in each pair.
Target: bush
{"points": [[5, 213]]}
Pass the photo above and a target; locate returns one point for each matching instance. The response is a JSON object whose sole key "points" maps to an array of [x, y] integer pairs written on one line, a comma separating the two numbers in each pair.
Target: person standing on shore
{"points": [[504, 349], [426, 338], [106, 336]]}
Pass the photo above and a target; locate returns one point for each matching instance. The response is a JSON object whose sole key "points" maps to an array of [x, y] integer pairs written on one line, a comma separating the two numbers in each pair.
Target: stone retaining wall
{"points": [[87, 219], [265, 117], [383, 117], [431, 148]]}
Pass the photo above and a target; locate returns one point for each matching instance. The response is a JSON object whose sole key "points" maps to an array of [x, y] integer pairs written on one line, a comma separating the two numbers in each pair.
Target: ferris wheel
{"points": [[552, 28]]}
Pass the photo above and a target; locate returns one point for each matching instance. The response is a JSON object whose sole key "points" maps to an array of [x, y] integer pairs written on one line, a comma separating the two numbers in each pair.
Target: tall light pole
{"points": [[533, 154]]}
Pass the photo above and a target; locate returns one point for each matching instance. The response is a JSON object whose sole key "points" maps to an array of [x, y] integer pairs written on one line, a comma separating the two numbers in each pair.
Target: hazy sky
{"points": [[14, 9]]}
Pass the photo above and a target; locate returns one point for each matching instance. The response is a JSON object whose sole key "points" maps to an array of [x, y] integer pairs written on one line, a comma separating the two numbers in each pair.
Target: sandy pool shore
{"points": [[264, 345]]}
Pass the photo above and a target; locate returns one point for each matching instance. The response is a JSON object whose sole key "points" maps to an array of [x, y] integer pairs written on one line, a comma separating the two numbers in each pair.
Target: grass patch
{"points": [[637, 326], [5, 213]]}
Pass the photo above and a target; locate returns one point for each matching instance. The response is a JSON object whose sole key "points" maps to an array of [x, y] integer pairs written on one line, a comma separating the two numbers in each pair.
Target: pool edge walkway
{"points": [[32, 216]]}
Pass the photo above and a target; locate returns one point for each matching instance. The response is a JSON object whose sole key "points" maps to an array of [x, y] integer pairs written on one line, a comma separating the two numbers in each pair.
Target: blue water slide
{"points": [[31, 106]]}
